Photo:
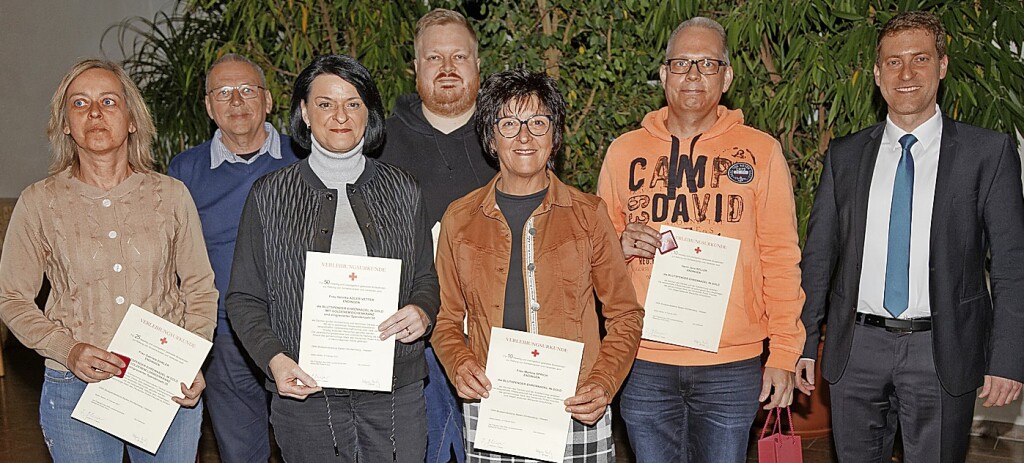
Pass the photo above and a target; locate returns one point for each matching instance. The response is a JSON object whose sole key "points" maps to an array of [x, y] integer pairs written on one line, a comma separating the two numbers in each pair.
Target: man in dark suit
{"points": [[905, 217]]}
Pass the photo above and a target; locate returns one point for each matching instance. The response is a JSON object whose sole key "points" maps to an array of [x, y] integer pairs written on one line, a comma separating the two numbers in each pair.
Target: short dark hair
{"points": [[352, 72], [518, 85], [914, 20]]}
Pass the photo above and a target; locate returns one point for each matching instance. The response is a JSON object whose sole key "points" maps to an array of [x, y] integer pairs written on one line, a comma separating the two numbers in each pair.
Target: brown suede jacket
{"points": [[576, 252]]}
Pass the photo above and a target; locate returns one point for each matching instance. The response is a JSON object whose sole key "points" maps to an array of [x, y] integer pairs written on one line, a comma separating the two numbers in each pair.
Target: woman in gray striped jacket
{"points": [[340, 201]]}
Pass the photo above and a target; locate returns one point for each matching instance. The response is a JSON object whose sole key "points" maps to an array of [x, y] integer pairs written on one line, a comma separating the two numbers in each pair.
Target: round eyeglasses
{"points": [[246, 91], [705, 66], [538, 125]]}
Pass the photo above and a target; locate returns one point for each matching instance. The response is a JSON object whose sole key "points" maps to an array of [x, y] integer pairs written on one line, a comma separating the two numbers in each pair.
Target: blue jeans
{"points": [[239, 406], [694, 414], [70, 440], [444, 417]]}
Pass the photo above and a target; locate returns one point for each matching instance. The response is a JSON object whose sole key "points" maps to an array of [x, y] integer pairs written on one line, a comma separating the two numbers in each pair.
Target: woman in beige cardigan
{"points": [[108, 232]]}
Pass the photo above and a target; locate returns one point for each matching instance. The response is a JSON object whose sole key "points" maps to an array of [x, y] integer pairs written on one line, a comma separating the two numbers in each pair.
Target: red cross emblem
{"points": [[163, 340], [697, 249], [352, 276], [535, 353]]}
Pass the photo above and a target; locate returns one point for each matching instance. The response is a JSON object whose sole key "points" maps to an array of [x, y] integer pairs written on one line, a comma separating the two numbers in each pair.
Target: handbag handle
{"points": [[768, 419], [778, 421]]}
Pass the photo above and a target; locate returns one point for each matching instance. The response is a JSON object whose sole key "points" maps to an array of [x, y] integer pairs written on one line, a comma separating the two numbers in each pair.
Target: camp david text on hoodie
{"points": [[732, 181]]}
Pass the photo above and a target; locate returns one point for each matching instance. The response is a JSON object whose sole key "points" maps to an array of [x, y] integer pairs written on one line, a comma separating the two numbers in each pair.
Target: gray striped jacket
{"points": [[289, 212]]}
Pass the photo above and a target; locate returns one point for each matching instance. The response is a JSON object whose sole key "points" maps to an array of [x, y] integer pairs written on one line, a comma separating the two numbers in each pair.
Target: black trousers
{"points": [[889, 380], [368, 427]]}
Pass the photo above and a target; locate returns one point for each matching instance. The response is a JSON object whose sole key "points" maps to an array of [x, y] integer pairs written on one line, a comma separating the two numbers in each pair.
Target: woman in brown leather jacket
{"points": [[527, 252]]}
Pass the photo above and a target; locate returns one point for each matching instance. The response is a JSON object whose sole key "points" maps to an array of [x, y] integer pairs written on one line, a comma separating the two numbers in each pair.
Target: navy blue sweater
{"points": [[220, 195]]}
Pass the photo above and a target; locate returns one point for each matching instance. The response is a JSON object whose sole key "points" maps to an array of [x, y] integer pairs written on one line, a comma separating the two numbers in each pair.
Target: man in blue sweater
{"points": [[219, 174]]}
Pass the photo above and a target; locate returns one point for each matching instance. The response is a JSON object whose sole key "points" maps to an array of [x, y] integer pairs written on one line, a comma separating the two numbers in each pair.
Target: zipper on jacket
{"points": [[532, 306]]}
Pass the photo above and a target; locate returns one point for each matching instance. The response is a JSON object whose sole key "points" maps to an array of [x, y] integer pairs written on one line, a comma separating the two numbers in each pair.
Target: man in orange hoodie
{"points": [[695, 165]]}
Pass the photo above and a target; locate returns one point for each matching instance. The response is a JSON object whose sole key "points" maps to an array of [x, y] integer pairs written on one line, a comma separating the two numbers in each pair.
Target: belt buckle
{"points": [[893, 329]]}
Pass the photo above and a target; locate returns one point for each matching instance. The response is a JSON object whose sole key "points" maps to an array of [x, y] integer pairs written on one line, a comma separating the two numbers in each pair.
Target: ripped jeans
{"points": [[70, 440]]}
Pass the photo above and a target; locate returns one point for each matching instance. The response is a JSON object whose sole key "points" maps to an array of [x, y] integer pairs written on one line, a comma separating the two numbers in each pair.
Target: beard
{"points": [[448, 102]]}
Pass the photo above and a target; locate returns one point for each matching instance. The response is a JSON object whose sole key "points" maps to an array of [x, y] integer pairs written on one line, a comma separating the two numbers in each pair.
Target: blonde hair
{"points": [[442, 17], [63, 148]]}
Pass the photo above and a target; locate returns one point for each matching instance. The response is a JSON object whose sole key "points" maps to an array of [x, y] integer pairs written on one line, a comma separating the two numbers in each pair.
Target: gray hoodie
{"points": [[446, 166]]}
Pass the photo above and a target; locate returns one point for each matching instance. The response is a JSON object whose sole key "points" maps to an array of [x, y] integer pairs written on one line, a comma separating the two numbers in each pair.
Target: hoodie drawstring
{"points": [[675, 180]]}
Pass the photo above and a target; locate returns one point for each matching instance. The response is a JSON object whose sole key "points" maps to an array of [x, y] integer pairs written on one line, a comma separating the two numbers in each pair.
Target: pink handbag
{"points": [[779, 447]]}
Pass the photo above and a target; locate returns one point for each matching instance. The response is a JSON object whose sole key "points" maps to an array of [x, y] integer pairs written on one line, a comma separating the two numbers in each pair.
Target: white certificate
{"points": [[531, 376], [137, 407], [689, 290], [344, 300], [435, 233]]}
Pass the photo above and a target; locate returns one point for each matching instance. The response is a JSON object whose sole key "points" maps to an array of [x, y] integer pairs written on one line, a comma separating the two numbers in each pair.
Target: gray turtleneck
{"points": [[337, 170]]}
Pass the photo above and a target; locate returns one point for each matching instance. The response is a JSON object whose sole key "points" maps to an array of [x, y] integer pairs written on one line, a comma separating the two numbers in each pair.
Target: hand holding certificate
{"points": [[138, 406], [689, 290], [525, 411], [290, 380], [345, 300]]}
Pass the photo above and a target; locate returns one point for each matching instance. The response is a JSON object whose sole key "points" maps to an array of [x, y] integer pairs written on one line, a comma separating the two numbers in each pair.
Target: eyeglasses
{"points": [[246, 91], [705, 66], [538, 125]]}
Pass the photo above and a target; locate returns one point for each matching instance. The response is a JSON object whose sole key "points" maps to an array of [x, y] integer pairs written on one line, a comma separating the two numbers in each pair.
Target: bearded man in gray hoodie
{"points": [[430, 134]]}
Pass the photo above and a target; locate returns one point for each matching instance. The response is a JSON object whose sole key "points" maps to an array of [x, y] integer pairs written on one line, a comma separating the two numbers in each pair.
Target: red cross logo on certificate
{"points": [[352, 276], [535, 353], [697, 249], [163, 340]]}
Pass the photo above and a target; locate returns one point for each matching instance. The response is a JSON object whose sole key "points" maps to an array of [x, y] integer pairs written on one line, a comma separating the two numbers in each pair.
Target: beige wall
{"points": [[39, 41]]}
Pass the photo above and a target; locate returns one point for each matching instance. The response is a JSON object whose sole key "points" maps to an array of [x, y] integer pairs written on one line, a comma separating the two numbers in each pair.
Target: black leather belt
{"points": [[895, 325]]}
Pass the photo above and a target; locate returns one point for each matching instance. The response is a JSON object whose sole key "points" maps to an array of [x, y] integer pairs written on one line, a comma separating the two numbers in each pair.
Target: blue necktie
{"points": [[897, 262]]}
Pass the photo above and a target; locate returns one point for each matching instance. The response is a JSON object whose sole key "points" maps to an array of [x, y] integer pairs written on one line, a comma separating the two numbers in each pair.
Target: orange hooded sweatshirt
{"points": [[731, 181]]}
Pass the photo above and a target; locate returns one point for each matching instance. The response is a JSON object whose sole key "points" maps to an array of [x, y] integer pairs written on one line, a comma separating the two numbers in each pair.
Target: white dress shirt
{"points": [[876, 232]]}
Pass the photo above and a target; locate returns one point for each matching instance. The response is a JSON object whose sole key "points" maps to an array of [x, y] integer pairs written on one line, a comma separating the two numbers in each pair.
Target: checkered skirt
{"points": [[585, 444]]}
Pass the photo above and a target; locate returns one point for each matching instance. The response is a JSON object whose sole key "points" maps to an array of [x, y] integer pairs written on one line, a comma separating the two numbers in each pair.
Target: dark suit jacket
{"points": [[978, 213]]}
